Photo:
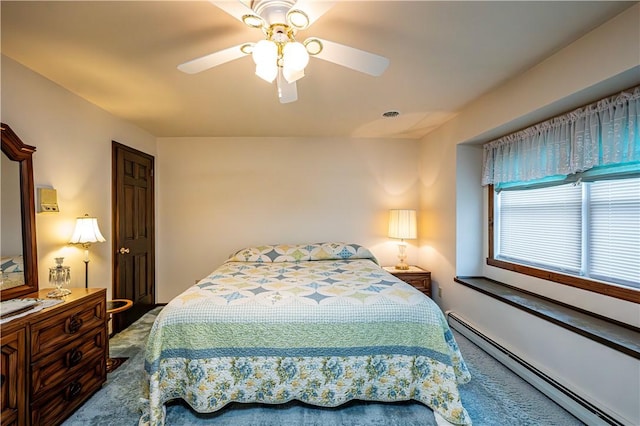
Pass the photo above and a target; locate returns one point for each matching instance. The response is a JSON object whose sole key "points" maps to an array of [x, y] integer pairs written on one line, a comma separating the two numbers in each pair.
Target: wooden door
{"points": [[134, 233]]}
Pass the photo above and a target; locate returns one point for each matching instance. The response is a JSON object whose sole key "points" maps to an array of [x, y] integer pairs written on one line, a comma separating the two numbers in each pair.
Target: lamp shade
{"points": [[267, 72], [403, 224], [265, 56], [86, 231], [295, 55], [295, 59]]}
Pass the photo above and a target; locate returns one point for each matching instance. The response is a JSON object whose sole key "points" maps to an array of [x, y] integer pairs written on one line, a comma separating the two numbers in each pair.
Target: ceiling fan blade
{"points": [[287, 92], [353, 58], [211, 60], [235, 8], [314, 9]]}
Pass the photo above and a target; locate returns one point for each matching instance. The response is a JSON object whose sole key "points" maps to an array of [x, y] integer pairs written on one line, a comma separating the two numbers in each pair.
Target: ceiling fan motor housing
{"points": [[272, 11], [281, 33]]}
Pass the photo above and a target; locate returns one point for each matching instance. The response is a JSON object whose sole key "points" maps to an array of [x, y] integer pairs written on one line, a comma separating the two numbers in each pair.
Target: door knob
{"points": [[124, 250]]}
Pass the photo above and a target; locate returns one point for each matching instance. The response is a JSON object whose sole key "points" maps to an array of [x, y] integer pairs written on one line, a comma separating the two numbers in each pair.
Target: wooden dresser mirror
{"points": [[17, 213]]}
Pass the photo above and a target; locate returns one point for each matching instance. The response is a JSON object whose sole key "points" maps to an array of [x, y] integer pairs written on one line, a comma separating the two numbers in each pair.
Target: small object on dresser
{"points": [[60, 277], [16, 306], [415, 276]]}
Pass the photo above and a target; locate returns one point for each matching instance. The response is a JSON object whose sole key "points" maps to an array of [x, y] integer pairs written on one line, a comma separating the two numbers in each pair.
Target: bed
{"points": [[320, 323]]}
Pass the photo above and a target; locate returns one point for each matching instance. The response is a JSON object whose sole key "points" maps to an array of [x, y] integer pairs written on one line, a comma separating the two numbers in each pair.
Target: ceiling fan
{"points": [[279, 56]]}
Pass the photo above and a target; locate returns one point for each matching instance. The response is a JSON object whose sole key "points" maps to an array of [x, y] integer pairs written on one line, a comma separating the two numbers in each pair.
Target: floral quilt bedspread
{"points": [[323, 329]]}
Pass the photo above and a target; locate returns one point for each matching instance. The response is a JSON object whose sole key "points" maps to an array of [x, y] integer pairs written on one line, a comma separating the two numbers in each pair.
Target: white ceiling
{"points": [[122, 56]]}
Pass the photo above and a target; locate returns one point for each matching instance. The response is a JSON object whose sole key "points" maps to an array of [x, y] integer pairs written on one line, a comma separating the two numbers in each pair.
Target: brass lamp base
{"points": [[402, 255], [402, 266]]}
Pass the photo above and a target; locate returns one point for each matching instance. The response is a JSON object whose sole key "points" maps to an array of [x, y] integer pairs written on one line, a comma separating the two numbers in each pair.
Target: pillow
{"points": [[302, 252]]}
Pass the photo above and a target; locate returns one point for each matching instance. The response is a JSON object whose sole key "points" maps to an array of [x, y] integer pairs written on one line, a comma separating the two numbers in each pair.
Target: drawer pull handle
{"points": [[73, 390], [73, 324], [74, 356]]}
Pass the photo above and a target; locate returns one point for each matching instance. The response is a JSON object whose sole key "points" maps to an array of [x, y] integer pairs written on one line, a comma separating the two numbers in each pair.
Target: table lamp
{"points": [[86, 233], [402, 225]]}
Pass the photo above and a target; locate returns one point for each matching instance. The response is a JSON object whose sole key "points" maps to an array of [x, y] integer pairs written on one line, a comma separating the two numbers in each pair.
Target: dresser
{"points": [[55, 359], [416, 276]]}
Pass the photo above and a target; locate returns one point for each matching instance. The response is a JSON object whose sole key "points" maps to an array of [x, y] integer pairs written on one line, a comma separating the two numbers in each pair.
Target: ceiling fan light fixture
{"points": [[292, 75], [294, 60], [267, 72], [253, 21], [265, 52], [313, 46], [298, 19], [265, 56], [295, 56]]}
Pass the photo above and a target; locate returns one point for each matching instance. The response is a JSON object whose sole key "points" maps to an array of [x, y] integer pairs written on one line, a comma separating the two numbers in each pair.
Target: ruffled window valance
{"points": [[604, 133]]}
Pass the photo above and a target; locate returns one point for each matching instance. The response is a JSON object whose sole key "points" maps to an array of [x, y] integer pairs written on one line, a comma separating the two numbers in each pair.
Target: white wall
{"points": [[219, 195], [73, 155], [603, 62]]}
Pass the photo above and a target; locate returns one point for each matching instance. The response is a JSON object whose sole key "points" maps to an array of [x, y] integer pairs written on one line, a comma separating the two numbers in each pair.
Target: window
{"points": [[564, 198], [577, 234], [590, 230]]}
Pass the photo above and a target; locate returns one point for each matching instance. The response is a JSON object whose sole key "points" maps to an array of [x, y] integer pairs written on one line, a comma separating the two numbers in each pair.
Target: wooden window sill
{"points": [[613, 334]]}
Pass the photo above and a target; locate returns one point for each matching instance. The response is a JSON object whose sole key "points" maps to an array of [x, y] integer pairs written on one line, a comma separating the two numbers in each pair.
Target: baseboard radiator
{"points": [[567, 399]]}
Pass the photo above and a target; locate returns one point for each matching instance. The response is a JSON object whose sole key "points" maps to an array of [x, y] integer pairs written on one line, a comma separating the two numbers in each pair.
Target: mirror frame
{"points": [[16, 150]]}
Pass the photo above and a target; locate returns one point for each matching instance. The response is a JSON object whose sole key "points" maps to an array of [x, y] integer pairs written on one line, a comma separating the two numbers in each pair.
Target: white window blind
{"points": [[614, 230], [542, 227], [591, 229]]}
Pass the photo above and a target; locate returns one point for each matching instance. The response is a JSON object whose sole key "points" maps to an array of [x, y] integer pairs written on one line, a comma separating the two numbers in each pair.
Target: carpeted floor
{"points": [[495, 396]]}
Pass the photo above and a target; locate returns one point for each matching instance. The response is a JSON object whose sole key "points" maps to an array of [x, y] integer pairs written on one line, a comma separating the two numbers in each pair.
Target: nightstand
{"points": [[416, 276]]}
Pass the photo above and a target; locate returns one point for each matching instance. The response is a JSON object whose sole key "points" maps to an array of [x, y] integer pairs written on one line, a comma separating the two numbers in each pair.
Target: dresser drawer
{"points": [[55, 406], [62, 328], [422, 283], [74, 357], [13, 362]]}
